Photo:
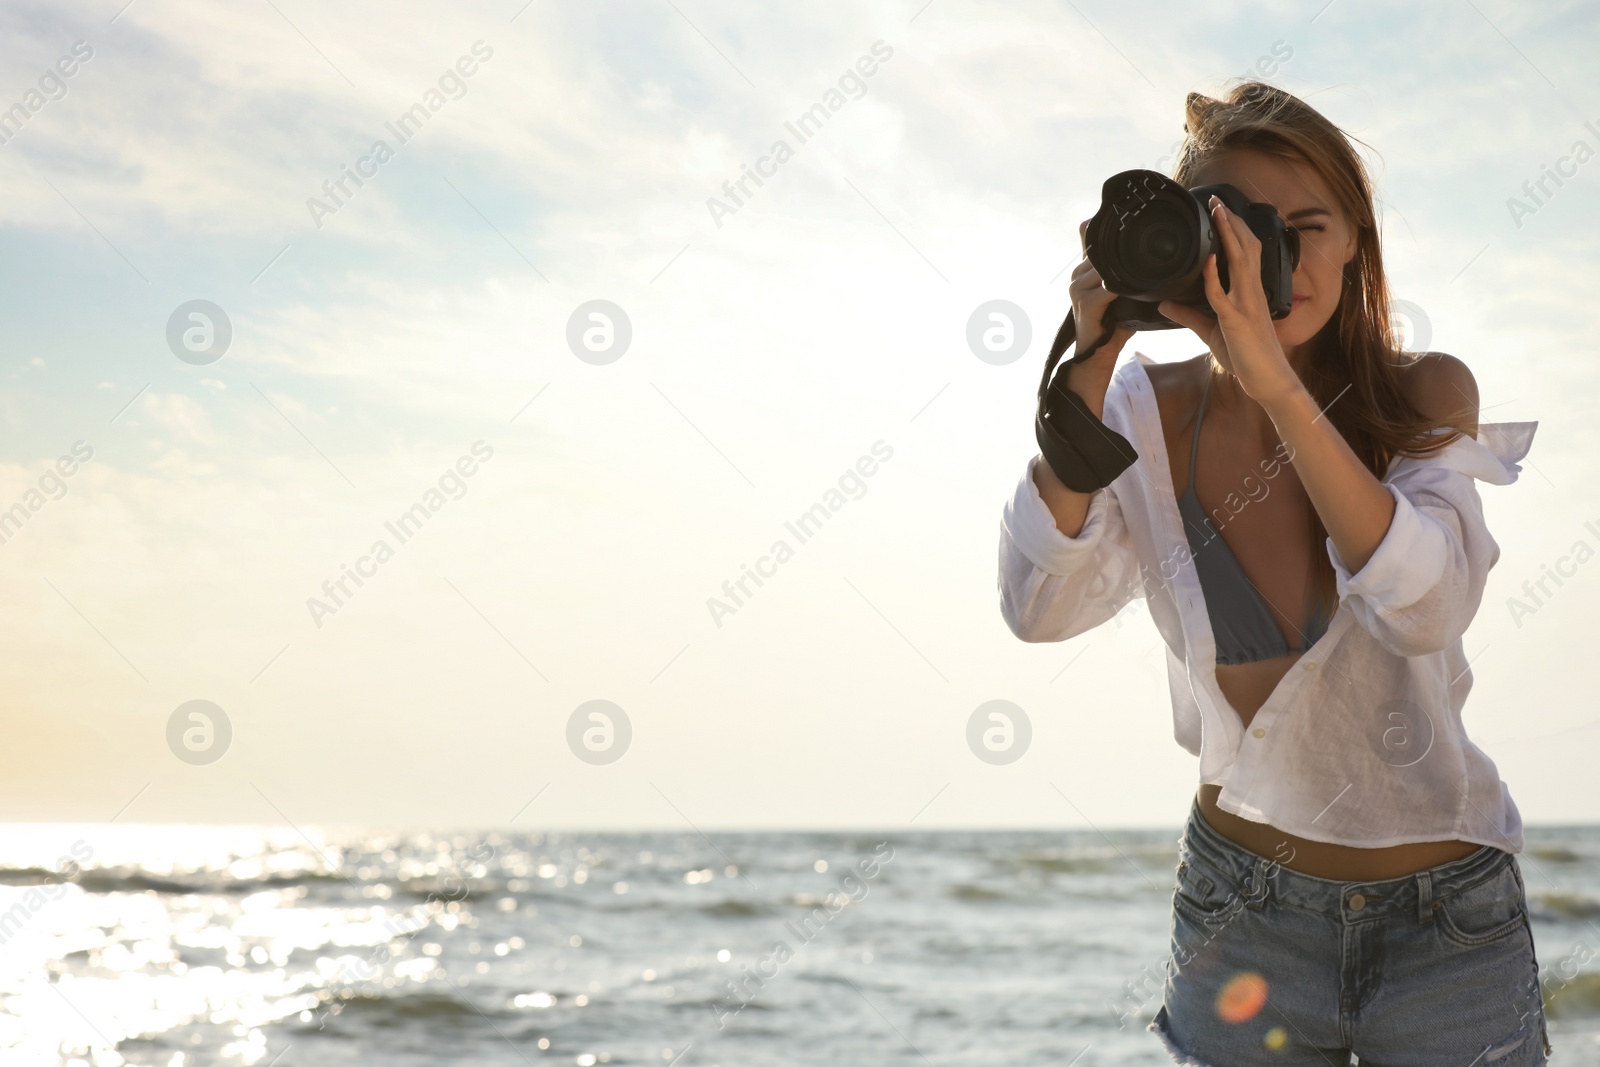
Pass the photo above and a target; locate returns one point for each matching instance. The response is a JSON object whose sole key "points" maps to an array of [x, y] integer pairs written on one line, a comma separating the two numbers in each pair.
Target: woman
{"points": [[1303, 520]]}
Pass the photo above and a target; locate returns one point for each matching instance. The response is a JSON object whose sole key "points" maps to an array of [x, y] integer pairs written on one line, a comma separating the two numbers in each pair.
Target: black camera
{"points": [[1151, 237]]}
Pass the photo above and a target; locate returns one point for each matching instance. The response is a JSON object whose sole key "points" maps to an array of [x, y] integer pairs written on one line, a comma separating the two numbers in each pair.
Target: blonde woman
{"points": [[1304, 520]]}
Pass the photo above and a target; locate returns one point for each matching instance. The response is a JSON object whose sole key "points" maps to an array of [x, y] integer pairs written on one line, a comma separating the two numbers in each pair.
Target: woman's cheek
{"points": [[1325, 260]]}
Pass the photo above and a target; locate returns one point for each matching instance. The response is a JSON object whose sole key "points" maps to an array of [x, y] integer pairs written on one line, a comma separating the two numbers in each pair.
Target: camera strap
{"points": [[1084, 452]]}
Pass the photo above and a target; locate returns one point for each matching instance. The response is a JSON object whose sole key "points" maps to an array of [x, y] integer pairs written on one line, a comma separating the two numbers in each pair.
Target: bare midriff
{"points": [[1247, 686]]}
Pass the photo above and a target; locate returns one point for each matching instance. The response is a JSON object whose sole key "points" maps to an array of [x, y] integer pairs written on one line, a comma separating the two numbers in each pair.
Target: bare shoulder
{"points": [[1442, 387]]}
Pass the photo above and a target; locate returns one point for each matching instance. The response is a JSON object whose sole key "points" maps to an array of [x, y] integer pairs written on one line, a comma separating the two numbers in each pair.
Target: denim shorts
{"points": [[1271, 966]]}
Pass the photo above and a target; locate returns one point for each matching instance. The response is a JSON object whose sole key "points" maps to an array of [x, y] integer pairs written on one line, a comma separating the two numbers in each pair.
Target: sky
{"points": [[419, 342]]}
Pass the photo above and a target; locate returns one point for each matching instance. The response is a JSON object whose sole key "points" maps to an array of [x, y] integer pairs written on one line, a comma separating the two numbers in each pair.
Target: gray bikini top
{"points": [[1244, 627]]}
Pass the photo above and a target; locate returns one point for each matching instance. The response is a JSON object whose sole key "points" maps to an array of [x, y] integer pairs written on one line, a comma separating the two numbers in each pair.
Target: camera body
{"points": [[1150, 239]]}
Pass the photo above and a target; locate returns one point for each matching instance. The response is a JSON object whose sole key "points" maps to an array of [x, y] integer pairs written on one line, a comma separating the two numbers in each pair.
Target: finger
{"points": [[1086, 293], [1248, 241], [1222, 220], [1087, 286], [1083, 234], [1242, 248], [1182, 314], [1219, 300]]}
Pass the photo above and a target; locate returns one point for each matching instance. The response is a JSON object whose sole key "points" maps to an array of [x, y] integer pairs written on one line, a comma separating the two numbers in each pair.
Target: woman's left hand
{"points": [[1241, 337]]}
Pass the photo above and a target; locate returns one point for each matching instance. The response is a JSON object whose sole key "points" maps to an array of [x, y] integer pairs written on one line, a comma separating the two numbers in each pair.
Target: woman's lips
{"points": [[1297, 301]]}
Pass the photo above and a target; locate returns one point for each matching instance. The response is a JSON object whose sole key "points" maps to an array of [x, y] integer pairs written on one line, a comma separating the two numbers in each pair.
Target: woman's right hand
{"points": [[1091, 378]]}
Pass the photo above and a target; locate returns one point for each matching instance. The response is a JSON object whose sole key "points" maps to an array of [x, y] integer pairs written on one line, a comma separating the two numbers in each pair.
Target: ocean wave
{"points": [[132, 880], [735, 909], [1575, 998], [30, 876], [975, 894], [1568, 905], [421, 1004], [1064, 864], [1554, 854]]}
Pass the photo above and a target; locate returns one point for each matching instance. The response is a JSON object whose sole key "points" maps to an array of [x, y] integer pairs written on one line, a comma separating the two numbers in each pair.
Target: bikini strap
{"points": [[1194, 445]]}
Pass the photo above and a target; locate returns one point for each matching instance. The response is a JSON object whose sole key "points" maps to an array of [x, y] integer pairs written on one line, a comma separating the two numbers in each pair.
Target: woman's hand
{"points": [[1090, 299], [1241, 337]]}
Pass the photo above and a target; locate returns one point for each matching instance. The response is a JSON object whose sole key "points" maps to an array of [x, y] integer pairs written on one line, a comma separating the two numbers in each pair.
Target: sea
{"points": [[185, 946]]}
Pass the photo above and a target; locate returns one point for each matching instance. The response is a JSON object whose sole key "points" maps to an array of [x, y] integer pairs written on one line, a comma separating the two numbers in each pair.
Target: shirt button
{"points": [[1357, 902], [1259, 732]]}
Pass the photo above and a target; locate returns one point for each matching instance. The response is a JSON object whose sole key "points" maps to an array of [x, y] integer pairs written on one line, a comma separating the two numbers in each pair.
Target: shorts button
{"points": [[1357, 902], [1259, 732]]}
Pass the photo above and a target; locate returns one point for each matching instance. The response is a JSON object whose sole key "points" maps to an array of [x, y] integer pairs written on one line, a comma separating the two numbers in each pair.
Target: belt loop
{"points": [[1424, 897], [1257, 895]]}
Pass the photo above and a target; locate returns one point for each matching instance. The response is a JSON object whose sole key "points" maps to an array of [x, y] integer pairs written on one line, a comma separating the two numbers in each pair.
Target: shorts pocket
{"points": [[1481, 914], [1203, 895]]}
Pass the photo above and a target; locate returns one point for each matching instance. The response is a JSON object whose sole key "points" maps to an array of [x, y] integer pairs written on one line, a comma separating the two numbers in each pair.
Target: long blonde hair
{"points": [[1357, 354]]}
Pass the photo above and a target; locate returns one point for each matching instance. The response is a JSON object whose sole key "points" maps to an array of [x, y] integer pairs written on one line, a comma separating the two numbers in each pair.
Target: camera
{"points": [[1151, 237]]}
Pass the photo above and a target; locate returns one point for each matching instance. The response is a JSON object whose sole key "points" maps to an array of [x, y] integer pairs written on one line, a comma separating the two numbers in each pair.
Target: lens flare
{"points": [[1275, 1039], [1242, 998]]}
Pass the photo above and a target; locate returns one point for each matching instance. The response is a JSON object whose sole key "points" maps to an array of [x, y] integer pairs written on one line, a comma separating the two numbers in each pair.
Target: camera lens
{"points": [[1161, 245], [1155, 244], [1149, 239]]}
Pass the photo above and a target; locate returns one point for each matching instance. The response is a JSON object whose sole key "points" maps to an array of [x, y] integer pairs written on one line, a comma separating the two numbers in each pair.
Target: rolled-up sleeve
{"points": [[1054, 587], [1420, 589]]}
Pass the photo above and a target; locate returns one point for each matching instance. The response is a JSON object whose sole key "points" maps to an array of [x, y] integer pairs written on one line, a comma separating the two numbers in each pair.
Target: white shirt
{"points": [[1361, 743]]}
